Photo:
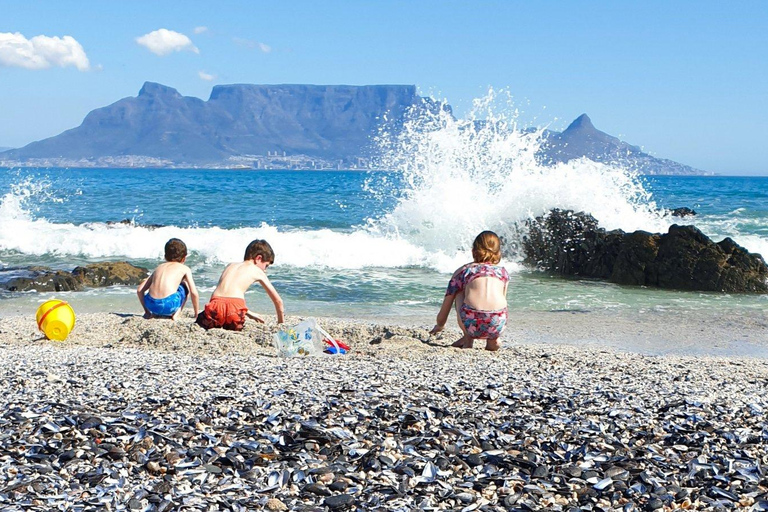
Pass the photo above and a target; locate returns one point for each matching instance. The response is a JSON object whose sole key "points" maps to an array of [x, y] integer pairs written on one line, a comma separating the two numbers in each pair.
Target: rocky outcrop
{"points": [[44, 279], [684, 258], [682, 212], [109, 274]]}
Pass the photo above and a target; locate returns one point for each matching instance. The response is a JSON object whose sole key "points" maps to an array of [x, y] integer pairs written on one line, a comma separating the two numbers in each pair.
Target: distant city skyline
{"points": [[686, 81]]}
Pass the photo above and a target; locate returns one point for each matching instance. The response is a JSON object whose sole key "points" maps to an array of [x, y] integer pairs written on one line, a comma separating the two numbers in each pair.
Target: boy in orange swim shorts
{"points": [[227, 307]]}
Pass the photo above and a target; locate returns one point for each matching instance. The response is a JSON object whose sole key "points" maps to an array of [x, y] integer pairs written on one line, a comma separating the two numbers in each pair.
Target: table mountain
{"points": [[274, 126]]}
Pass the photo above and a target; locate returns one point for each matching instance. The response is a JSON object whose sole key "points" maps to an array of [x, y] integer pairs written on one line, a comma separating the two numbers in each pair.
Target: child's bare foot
{"points": [[463, 342], [176, 315], [492, 344]]}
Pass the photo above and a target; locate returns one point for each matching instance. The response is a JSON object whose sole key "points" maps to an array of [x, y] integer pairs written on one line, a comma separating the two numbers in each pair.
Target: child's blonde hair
{"points": [[487, 248]]}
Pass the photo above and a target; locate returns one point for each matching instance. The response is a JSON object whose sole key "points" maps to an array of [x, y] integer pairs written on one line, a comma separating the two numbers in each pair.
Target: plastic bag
{"points": [[302, 339]]}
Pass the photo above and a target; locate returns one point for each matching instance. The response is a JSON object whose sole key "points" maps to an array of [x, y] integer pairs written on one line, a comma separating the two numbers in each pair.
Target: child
{"points": [[227, 307], [164, 293], [479, 290]]}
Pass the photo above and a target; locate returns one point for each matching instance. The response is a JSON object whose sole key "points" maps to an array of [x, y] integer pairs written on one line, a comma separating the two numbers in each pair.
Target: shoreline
{"points": [[154, 415], [648, 332]]}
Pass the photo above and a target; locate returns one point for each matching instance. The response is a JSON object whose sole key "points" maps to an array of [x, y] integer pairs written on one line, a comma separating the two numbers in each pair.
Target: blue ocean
{"points": [[371, 245]]}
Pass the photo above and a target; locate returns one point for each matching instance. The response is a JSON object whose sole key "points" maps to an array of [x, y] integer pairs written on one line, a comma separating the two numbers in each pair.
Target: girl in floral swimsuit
{"points": [[479, 292]]}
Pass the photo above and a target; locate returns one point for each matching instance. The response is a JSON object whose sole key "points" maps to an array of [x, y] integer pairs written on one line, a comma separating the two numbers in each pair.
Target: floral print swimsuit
{"points": [[480, 324]]}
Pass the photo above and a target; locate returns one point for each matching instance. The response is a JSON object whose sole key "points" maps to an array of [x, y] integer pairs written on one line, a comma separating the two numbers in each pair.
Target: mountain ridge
{"points": [[276, 126]]}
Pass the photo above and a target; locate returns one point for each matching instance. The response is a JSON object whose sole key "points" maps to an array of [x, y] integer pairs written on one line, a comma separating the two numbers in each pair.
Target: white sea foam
{"points": [[464, 176]]}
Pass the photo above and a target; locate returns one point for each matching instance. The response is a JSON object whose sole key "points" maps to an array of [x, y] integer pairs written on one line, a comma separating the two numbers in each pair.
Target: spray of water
{"points": [[462, 176], [452, 179]]}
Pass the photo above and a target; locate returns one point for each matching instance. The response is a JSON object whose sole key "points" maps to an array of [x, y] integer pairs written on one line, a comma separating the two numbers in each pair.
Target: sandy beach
{"points": [[131, 414]]}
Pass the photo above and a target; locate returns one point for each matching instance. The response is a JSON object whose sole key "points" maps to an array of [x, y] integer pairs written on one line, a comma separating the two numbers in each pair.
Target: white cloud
{"points": [[163, 41], [253, 45], [200, 30], [41, 52], [205, 76]]}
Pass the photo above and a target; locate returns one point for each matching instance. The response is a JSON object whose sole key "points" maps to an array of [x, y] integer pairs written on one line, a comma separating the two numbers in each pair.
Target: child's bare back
{"points": [[165, 292], [166, 279], [237, 278], [227, 307]]}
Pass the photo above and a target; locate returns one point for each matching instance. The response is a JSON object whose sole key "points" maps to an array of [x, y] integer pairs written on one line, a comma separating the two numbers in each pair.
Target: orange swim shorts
{"points": [[224, 312]]}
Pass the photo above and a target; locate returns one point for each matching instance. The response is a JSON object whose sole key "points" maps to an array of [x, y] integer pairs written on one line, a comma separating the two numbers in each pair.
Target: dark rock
{"points": [[110, 273], [339, 486], [654, 504], [474, 460], [682, 212], [339, 502], [540, 472], [131, 222], [45, 279], [573, 471], [572, 244], [318, 489], [41, 279]]}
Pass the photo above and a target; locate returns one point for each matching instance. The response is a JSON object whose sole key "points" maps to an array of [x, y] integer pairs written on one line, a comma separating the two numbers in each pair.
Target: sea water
{"points": [[370, 245]]}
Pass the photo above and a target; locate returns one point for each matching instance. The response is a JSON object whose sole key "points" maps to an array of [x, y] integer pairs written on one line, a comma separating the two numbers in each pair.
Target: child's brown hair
{"points": [[175, 250], [487, 248], [260, 248]]}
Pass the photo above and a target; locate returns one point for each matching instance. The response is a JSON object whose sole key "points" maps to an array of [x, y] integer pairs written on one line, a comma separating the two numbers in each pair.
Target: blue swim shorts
{"points": [[166, 306]]}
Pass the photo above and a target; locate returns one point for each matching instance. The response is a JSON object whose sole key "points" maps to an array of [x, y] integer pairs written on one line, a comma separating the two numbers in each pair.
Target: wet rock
{"points": [[682, 212], [110, 274], [44, 279], [41, 279], [572, 244]]}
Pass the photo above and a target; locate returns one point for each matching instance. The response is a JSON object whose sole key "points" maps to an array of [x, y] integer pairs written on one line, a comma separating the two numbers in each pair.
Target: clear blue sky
{"points": [[686, 80]]}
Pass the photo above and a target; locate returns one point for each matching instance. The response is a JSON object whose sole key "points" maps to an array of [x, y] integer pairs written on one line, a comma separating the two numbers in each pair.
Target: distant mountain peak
{"points": [[155, 89], [583, 122]]}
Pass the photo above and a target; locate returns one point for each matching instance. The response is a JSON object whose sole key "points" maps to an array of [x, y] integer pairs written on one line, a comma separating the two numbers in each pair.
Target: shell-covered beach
{"points": [[134, 414]]}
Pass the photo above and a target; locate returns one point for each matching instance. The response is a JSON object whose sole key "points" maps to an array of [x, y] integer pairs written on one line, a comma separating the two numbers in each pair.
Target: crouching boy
{"points": [[227, 307], [165, 292]]}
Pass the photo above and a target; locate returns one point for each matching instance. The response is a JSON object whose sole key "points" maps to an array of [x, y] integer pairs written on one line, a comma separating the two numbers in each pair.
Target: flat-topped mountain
{"points": [[329, 122], [275, 126]]}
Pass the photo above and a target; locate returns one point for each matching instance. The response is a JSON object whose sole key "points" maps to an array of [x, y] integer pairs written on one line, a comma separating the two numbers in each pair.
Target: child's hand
{"points": [[255, 317], [436, 329]]}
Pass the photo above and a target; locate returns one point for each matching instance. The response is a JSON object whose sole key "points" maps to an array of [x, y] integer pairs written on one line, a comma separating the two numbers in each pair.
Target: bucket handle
{"points": [[333, 341]]}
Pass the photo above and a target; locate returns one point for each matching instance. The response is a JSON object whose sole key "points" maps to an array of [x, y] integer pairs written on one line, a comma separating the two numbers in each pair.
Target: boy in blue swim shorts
{"points": [[164, 293]]}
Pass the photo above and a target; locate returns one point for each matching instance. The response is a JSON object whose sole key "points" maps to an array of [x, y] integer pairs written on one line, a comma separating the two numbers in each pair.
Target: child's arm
{"points": [[141, 290], [442, 315], [193, 293], [276, 300], [254, 316]]}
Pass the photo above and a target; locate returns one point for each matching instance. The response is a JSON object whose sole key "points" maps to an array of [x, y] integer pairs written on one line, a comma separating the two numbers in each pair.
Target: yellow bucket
{"points": [[56, 319]]}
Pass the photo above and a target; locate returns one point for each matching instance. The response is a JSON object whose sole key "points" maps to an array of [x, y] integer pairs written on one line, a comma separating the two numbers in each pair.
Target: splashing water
{"points": [[462, 176]]}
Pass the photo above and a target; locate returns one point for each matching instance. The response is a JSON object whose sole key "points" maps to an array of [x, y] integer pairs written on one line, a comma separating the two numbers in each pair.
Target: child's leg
{"points": [[465, 341], [184, 295], [492, 344]]}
